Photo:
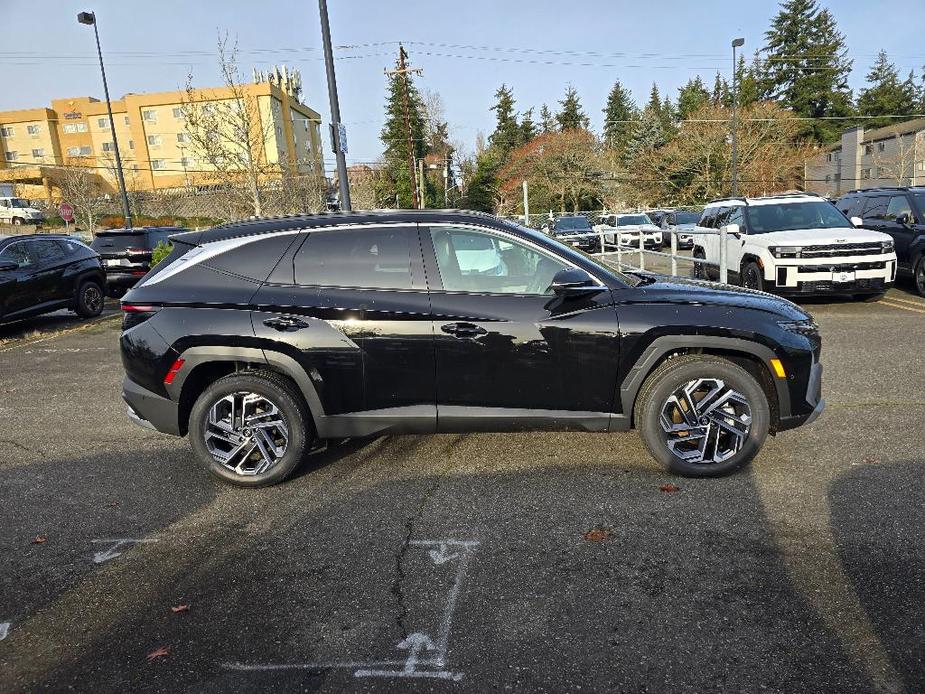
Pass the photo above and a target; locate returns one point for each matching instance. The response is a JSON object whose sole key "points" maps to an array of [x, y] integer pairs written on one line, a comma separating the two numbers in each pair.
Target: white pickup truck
{"points": [[19, 211]]}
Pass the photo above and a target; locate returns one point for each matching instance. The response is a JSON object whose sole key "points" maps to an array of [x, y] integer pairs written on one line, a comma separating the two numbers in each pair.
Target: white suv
{"points": [[795, 244], [628, 227]]}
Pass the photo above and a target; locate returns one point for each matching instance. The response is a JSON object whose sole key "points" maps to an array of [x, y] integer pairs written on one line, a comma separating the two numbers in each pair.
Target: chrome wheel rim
{"points": [[246, 433], [705, 421], [93, 298]]}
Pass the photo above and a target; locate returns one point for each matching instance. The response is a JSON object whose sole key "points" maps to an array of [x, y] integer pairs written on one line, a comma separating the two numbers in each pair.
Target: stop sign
{"points": [[66, 212]]}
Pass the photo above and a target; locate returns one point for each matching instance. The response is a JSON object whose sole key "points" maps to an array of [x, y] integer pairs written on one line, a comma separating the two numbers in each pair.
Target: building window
{"points": [[149, 115], [73, 151], [881, 146], [85, 151], [187, 162], [177, 112], [38, 153], [868, 149], [33, 129], [126, 120], [922, 166], [837, 176], [158, 165], [182, 137], [12, 156], [71, 128], [865, 174], [102, 123], [108, 147], [828, 178], [131, 144], [8, 131], [154, 140], [879, 172]]}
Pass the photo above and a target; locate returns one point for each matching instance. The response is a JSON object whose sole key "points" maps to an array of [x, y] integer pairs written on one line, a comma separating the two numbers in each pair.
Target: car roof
{"points": [[886, 189], [764, 200], [136, 230], [20, 237]]}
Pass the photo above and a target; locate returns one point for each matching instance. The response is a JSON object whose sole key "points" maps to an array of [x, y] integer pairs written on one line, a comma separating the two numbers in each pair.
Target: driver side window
{"points": [[482, 263]]}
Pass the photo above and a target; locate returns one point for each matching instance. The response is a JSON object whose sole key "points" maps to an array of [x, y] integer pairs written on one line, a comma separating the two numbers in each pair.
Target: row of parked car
{"points": [[40, 273]]}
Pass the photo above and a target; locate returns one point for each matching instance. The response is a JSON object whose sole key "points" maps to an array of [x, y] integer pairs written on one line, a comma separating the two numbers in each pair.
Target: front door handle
{"points": [[463, 330], [286, 324]]}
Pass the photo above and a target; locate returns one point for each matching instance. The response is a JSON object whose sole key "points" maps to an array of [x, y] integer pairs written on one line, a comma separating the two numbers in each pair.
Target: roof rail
{"points": [[867, 190]]}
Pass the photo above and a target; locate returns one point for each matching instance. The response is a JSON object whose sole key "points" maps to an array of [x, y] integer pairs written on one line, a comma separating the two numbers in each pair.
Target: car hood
{"points": [[821, 237], [664, 289]]}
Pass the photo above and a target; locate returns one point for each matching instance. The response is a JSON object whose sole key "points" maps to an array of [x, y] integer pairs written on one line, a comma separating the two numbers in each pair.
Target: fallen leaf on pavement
{"points": [[180, 608], [598, 534], [668, 488], [39, 539], [161, 652]]}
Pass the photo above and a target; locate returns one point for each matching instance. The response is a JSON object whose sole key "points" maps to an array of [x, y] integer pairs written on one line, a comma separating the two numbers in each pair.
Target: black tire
{"points": [[675, 373], [90, 300], [869, 298], [918, 275], [752, 276], [699, 271], [18, 221], [292, 410]]}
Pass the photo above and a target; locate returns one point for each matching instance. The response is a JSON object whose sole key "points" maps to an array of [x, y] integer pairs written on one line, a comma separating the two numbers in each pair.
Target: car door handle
{"points": [[285, 324], [463, 330]]}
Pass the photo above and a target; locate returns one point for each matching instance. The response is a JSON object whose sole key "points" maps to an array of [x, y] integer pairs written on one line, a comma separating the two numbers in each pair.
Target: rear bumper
{"points": [[122, 279], [150, 410]]}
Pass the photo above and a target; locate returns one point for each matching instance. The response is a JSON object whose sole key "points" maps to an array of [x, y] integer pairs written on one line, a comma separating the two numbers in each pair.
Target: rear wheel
{"points": [[89, 302], [250, 428], [18, 221], [702, 416], [752, 276]]}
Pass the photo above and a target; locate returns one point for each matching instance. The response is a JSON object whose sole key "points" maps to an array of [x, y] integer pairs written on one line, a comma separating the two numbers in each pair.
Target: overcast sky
{"points": [[466, 49]]}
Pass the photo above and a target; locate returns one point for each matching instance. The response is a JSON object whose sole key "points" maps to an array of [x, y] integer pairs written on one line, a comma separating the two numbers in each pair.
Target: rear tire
{"points": [[18, 221], [89, 302], [698, 445], [259, 414]]}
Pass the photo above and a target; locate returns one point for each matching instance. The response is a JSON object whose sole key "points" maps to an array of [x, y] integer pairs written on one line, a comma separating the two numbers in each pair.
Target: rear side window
{"points": [[875, 207], [45, 251], [848, 206], [255, 259], [898, 205], [375, 258]]}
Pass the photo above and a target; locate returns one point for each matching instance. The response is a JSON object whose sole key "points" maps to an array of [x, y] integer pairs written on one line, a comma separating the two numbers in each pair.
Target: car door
{"points": [[903, 234], [351, 305], [19, 288], [735, 246], [51, 265], [508, 350]]}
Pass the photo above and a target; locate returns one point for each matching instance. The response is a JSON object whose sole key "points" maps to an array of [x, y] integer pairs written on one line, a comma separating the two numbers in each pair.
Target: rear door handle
{"points": [[286, 324], [462, 330]]}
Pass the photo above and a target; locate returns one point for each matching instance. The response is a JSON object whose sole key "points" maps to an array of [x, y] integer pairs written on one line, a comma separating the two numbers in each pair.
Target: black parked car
{"points": [[257, 338], [126, 253], [40, 273], [573, 226], [899, 212]]}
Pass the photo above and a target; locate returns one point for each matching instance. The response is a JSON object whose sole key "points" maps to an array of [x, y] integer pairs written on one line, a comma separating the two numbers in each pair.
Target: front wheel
{"points": [[702, 416], [919, 275], [89, 303], [18, 221], [699, 270], [752, 276], [250, 428]]}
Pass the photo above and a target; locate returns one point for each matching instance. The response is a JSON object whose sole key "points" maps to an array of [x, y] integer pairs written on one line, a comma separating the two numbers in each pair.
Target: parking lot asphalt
{"points": [[524, 562]]}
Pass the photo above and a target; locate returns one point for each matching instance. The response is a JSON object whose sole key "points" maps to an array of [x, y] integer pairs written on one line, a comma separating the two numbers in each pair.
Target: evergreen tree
{"points": [[618, 114], [481, 188], [507, 134], [692, 96], [571, 116], [395, 186], [886, 95], [720, 95], [528, 128], [547, 121], [747, 83], [807, 66], [655, 100], [647, 134]]}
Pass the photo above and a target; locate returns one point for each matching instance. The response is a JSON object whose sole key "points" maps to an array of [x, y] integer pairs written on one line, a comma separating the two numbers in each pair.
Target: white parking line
{"points": [[112, 553], [4, 629]]}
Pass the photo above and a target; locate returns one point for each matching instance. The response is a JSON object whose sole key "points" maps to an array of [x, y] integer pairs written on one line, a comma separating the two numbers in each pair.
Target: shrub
{"points": [[160, 251]]}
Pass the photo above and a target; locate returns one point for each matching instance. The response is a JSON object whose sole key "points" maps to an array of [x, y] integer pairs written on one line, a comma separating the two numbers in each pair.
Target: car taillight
{"points": [[137, 251], [135, 314], [172, 372]]}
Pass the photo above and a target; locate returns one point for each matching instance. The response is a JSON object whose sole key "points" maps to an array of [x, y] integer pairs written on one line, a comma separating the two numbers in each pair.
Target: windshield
{"points": [[687, 217], [19, 202], [627, 219], [572, 224], [763, 219]]}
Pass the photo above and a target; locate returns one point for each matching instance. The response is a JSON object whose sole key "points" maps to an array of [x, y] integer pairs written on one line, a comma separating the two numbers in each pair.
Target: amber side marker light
{"points": [[778, 368]]}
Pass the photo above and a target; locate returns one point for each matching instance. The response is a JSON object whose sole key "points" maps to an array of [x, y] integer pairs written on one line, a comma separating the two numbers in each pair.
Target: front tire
{"points": [[89, 302], [251, 428], [18, 221], [699, 270], [702, 416], [918, 275], [752, 276]]}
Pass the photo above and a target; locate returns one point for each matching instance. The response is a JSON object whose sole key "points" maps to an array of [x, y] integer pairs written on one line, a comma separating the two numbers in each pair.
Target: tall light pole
{"points": [[336, 126], [89, 18], [736, 43]]}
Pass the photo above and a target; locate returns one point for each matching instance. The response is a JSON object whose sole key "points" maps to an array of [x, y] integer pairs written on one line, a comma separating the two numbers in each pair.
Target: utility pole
{"points": [[526, 205], [735, 154], [403, 70], [446, 181], [337, 127]]}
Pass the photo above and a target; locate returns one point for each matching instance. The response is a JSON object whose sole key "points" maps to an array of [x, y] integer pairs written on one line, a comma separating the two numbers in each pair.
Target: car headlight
{"points": [[801, 327], [886, 246], [785, 251]]}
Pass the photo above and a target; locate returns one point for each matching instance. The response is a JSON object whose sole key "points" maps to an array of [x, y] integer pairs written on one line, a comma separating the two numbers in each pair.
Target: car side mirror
{"points": [[903, 219], [573, 281], [857, 221], [7, 265], [733, 230]]}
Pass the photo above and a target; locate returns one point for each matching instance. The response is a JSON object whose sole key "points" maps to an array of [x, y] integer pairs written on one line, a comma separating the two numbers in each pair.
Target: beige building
{"points": [[889, 156], [156, 148]]}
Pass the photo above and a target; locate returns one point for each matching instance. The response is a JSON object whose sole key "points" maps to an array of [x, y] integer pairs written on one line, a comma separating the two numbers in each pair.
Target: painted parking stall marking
{"points": [[115, 550], [4, 629], [426, 656]]}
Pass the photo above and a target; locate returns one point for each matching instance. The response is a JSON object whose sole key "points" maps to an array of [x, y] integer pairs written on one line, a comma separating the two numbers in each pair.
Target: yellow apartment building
{"points": [[155, 146]]}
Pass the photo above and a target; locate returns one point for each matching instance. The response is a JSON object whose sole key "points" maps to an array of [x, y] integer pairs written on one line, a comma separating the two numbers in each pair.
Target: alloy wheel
{"points": [[920, 277], [93, 298], [246, 433], [705, 421], [752, 278]]}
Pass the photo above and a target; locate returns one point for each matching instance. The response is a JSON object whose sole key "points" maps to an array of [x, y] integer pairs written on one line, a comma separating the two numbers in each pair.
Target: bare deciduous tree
{"points": [[898, 164], [83, 189]]}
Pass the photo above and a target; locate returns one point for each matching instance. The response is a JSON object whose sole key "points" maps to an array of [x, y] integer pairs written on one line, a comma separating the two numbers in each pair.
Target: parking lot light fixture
{"points": [[736, 43]]}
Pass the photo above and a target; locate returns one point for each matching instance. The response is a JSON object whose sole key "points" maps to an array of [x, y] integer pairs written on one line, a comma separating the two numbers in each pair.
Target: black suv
{"points": [[126, 253], [899, 212], [258, 338], [46, 272], [577, 232]]}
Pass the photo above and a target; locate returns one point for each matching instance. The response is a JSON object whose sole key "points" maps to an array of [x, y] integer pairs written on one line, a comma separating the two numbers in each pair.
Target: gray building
{"points": [[889, 156]]}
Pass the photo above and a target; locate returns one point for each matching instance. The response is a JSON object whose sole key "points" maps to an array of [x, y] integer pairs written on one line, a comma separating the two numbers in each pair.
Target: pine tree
{"points": [[655, 100], [720, 95], [571, 116], [747, 87], [647, 134], [691, 97], [396, 186], [886, 95], [547, 121], [528, 128], [507, 134], [807, 66], [618, 114]]}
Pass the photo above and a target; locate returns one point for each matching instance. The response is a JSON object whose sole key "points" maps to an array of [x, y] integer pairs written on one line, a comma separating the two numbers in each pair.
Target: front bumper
{"points": [[869, 274], [814, 403], [150, 410]]}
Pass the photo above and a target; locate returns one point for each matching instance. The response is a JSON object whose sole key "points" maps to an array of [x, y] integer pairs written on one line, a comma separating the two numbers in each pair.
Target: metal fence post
{"points": [[723, 270], [619, 249], [642, 250], [674, 252], [600, 232]]}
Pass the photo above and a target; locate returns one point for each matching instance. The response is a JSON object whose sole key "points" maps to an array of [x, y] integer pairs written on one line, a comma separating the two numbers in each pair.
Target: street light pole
{"points": [[335, 108], [736, 43], [89, 18]]}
